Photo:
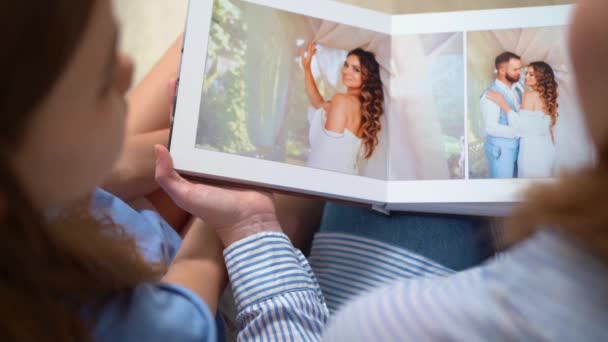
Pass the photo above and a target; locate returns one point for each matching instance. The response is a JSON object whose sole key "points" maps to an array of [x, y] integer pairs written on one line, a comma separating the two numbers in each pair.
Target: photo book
{"points": [[452, 112]]}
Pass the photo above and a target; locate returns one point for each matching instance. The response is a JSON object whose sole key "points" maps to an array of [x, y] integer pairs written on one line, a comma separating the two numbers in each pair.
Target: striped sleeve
{"points": [[348, 266], [456, 308], [277, 296]]}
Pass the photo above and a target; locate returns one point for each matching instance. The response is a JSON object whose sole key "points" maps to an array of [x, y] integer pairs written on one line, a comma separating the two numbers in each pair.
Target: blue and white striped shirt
{"points": [[348, 266], [547, 288], [276, 294]]}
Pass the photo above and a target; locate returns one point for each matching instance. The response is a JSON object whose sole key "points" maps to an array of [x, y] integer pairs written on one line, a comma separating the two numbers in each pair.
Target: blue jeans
{"points": [[456, 242], [358, 250]]}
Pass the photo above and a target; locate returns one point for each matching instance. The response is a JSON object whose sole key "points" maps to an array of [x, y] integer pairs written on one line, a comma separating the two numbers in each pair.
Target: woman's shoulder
{"points": [[531, 94], [343, 98], [531, 100], [344, 103]]}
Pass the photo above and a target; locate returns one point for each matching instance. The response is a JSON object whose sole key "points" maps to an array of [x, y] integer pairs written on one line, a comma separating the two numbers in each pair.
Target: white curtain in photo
{"points": [[271, 38], [410, 122], [417, 149]]}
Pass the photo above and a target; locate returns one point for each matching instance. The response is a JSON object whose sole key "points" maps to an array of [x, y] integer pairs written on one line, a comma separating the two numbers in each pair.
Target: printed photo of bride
{"points": [[305, 91], [294, 89], [526, 122], [344, 130]]}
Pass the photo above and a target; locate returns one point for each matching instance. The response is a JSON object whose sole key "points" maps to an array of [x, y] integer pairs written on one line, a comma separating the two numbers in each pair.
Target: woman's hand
{"points": [[234, 214], [499, 99], [308, 54], [316, 100]]}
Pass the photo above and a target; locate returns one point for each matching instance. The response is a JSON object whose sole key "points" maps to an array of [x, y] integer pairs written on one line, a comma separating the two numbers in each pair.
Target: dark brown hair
{"points": [[547, 87], [504, 57], [51, 272], [371, 98]]}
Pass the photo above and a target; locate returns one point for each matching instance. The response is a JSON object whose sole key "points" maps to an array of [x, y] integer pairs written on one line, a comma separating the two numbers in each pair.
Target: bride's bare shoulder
{"points": [[531, 100], [345, 101]]}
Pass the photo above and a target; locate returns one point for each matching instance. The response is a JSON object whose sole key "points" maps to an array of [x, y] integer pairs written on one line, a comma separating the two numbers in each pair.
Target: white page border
{"points": [[226, 166], [481, 20], [459, 191], [340, 186]]}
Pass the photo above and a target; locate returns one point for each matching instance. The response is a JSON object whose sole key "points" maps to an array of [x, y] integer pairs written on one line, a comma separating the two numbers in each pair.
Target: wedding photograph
{"points": [[523, 117], [290, 88], [294, 89]]}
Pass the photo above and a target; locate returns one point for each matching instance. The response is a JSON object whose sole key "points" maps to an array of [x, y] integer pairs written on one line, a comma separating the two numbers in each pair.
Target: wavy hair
{"points": [[52, 272], [547, 87], [371, 98]]}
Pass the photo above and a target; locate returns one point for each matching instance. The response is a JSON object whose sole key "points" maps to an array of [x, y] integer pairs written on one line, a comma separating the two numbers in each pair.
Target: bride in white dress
{"points": [[345, 130], [535, 122]]}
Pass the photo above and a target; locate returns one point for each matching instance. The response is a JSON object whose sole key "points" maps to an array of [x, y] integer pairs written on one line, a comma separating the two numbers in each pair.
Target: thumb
{"points": [[168, 179], [164, 163]]}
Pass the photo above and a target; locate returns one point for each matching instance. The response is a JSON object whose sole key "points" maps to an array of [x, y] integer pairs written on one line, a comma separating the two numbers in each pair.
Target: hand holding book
{"points": [[233, 213]]}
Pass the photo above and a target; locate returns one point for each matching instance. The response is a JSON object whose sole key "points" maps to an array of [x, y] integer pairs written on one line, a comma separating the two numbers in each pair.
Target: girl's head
{"points": [[540, 77], [62, 96], [63, 119], [361, 71]]}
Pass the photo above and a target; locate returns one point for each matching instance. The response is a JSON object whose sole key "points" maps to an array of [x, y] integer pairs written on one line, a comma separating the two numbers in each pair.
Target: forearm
{"points": [[505, 107], [491, 115], [149, 104], [133, 174], [274, 289], [199, 264], [501, 131], [316, 100]]}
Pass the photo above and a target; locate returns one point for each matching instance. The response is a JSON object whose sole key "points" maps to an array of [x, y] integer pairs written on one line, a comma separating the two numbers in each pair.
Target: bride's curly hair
{"points": [[547, 87], [371, 98]]}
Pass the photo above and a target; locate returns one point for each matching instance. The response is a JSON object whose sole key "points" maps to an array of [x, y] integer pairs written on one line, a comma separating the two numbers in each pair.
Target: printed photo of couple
{"points": [[294, 89], [523, 118]]}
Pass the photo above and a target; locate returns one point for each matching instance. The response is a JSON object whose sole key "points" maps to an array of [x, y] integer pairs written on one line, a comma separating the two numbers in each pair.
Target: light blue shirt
{"points": [[276, 293], [155, 311]]}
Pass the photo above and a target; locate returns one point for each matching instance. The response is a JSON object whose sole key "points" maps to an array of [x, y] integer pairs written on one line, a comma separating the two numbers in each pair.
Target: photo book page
{"points": [[447, 112]]}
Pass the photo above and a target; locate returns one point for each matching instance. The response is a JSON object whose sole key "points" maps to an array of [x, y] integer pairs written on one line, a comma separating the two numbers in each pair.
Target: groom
{"points": [[502, 143]]}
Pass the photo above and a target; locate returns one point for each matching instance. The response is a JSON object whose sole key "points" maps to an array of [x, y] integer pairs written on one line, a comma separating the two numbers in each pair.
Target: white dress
{"points": [[536, 149], [339, 152]]}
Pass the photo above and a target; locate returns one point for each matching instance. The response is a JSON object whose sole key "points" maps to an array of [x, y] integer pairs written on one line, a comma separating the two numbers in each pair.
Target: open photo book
{"points": [[452, 112]]}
